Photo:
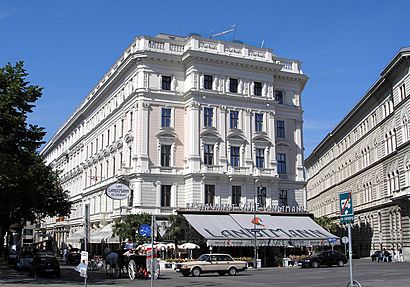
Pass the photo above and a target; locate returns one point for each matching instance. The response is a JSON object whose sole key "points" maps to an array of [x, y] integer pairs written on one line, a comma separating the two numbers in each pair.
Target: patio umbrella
{"points": [[171, 245]]}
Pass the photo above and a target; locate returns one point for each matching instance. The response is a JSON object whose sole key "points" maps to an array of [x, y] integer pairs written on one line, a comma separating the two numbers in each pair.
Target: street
{"points": [[367, 273]]}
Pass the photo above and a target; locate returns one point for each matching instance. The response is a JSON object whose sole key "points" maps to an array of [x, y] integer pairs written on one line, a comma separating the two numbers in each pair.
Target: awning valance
{"points": [[238, 230], [76, 236], [104, 235]]}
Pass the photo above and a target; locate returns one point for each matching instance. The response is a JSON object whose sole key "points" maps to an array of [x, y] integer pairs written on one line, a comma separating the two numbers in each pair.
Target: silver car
{"points": [[207, 263]]}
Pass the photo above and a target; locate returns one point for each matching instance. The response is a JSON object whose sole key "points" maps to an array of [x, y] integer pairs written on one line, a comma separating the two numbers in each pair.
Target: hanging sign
{"points": [[118, 191]]}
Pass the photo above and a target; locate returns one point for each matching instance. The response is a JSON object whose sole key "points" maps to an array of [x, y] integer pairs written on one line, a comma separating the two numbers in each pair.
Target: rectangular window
{"points": [[283, 198], [234, 156], [258, 122], [280, 129], [165, 155], [260, 158], [233, 85], [165, 195], [261, 193], [208, 117], [209, 194], [131, 121], [166, 83], [257, 88], [208, 154], [208, 79], [166, 118], [279, 97], [281, 163], [122, 127], [130, 157], [102, 141], [115, 133], [234, 119], [236, 195], [96, 145], [113, 166], [108, 137]]}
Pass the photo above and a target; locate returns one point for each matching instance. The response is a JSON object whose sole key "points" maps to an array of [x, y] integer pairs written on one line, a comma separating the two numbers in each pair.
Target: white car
{"points": [[207, 263]]}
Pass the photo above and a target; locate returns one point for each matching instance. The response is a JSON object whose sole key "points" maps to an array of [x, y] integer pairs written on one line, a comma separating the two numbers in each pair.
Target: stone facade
{"points": [[184, 120], [368, 154]]}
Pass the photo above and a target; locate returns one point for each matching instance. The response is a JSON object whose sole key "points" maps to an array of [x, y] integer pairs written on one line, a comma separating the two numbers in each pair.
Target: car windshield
{"points": [[203, 257]]}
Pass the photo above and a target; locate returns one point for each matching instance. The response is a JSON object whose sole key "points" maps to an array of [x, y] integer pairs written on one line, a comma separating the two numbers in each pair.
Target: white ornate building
{"points": [[368, 153], [183, 120]]}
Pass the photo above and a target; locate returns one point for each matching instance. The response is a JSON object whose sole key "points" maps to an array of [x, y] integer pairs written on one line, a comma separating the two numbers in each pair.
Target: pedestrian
{"points": [[65, 254], [400, 255]]}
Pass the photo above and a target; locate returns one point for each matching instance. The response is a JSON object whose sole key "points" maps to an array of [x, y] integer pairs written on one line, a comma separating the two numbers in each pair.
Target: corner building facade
{"points": [[368, 153], [183, 120]]}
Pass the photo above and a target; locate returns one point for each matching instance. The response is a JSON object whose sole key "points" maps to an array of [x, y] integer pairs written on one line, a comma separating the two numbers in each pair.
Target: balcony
{"points": [[165, 170], [238, 170], [211, 169], [264, 171]]}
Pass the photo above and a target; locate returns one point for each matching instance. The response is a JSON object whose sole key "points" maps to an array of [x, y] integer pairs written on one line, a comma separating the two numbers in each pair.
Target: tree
{"points": [[128, 228], [29, 189], [327, 223]]}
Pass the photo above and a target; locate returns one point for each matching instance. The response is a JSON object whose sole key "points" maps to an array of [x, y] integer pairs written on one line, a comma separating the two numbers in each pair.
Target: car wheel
{"points": [[315, 264], [196, 272], [132, 268], [232, 271], [340, 263]]}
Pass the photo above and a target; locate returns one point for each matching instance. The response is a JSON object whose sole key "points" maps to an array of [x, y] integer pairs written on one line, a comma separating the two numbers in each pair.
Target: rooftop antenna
{"points": [[263, 42], [231, 29]]}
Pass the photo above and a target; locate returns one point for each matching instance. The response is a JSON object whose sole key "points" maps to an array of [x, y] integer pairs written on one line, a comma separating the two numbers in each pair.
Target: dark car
{"points": [[45, 264], [381, 256], [325, 258], [74, 256]]}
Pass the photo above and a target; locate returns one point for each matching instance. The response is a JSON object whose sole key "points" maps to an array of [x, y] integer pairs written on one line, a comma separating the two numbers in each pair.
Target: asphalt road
{"points": [[367, 273]]}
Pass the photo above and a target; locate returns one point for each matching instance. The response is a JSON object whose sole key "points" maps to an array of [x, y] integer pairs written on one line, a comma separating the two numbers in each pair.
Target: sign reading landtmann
{"points": [[346, 207]]}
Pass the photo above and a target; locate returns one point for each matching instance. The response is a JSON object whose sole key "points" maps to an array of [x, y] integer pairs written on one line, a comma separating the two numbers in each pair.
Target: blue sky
{"points": [[68, 45]]}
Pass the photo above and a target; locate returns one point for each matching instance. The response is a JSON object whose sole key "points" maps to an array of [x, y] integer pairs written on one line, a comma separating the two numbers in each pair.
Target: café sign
{"points": [[118, 191], [244, 207]]}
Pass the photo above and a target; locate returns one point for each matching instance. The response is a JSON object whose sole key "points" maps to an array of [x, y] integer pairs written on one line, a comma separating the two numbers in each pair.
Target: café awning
{"points": [[104, 235], [76, 236], [271, 230]]}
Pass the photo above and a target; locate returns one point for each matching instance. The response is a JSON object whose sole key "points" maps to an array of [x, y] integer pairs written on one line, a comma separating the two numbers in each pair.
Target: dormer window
{"points": [[166, 83], [233, 85]]}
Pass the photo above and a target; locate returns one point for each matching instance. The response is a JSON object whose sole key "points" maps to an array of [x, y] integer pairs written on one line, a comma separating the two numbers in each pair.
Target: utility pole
{"points": [[86, 228]]}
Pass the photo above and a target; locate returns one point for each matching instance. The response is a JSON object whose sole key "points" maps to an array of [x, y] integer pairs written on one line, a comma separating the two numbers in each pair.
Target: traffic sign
{"points": [[346, 207], [145, 230]]}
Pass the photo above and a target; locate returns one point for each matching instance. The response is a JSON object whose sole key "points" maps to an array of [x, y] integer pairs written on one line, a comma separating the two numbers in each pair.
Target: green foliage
{"points": [[29, 190], [327, 223], [128, 229], [177, 227]]}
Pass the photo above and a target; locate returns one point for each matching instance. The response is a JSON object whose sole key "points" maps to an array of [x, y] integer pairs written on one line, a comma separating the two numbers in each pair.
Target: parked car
{"points": [[74, 256], [206, 263], [45, 264], [325, 258], [24, 260], [381, 256]]}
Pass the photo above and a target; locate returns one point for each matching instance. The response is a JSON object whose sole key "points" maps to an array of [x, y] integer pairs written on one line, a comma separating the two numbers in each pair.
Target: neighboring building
{"points": [[368, 153], [182, 120]]}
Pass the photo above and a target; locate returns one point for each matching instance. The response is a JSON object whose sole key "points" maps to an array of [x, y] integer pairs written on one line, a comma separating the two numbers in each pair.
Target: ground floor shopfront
{"points": [[275, 236]]}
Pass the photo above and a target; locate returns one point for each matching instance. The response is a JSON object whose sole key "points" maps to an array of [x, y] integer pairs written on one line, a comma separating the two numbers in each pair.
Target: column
{"points": [[143, 138], [222, 145], [158, 194], [247, 131], [136, 185], [194, 159], [174, 195], [299, 150], [272, 149]]}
